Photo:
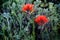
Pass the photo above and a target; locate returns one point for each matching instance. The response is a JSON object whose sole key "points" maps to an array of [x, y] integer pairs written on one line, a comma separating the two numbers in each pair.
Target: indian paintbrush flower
{"points": [[28, 7], [41, 20]]}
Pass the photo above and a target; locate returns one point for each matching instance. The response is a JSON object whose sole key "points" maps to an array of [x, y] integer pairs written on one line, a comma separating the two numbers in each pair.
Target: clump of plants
{"points": [[29, 20]]}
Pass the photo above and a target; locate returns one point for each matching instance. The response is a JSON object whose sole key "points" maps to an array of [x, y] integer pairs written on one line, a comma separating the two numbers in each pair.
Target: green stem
{"points": [[33, 32], [48, 33], [4, 34], [42, 33]]}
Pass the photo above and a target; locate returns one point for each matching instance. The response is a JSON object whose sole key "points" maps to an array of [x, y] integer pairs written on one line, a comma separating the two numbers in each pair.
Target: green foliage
{"points": [[11, 27]]}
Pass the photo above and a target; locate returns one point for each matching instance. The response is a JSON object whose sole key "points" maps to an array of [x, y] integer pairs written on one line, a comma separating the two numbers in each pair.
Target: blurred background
{"points": [[18, 25]]}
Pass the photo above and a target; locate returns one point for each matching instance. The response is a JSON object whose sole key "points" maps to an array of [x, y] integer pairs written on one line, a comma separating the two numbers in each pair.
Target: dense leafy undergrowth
{"points": [[29, 20]]}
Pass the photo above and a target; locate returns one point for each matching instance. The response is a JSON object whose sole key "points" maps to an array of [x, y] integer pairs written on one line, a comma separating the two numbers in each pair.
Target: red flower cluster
{"points": [[41, 20], [27, 7]]}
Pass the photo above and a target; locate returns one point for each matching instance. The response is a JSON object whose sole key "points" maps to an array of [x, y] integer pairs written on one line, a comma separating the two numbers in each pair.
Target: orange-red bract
{"points": [[27, 7], [41, 20]]}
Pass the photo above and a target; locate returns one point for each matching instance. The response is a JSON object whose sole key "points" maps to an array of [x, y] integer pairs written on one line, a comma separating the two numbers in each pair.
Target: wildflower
{"points": [[27, 7], [41, 20]]}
